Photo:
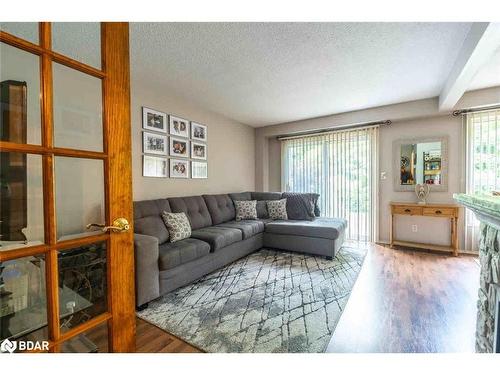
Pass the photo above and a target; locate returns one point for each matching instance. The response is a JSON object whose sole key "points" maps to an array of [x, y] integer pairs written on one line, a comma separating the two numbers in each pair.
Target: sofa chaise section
{"points": [[322, 236]]}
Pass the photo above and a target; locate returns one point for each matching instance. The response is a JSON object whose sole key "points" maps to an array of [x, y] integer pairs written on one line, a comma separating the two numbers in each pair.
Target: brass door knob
{"points": [[119, 225]]}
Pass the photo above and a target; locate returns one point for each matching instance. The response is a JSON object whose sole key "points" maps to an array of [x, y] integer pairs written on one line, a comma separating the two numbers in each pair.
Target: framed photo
{"points": [[179, 127], [198, 132], [179, 168], [154, 120], [154, 143], [153, 166], [199, 169], [198, 150], [179, 147]]}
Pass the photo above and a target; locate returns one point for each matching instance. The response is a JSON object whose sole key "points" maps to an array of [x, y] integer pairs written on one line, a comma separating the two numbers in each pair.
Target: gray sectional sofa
{"points": [[217, 239]]}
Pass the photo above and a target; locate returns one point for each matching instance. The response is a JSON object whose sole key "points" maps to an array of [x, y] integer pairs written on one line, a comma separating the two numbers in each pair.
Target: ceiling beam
{"points": [[479, 46]]}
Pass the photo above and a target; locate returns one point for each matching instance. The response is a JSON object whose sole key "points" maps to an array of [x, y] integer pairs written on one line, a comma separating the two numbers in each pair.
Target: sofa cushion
{"points": [[265, 196], [218, 237], [148, 220], [174, 254], [221, 207], [325, 227], [262, 210], [300, 206], [195, 209], [249, 228], [245, 196]]}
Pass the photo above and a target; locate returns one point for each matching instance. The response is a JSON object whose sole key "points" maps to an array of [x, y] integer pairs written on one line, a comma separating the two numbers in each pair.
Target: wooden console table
{"points": [[450, 211]]}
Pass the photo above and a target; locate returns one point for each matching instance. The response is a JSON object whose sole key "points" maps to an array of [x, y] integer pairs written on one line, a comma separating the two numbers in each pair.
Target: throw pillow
{"points": [[277, 209], [178, 225], [301, 206], [245, 210]]}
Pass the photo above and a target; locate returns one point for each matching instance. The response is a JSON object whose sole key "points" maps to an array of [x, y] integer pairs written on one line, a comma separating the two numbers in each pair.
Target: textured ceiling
{"points": [[488, 75], [267, 73]]}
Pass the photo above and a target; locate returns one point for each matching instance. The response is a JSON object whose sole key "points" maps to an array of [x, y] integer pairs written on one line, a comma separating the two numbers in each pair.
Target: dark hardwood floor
{"points": [[403, 301], [410, 301], [151, 339]]}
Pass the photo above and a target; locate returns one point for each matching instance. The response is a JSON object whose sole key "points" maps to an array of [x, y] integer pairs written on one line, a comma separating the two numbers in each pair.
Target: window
{"points": [[483, 164], [341, 166]]}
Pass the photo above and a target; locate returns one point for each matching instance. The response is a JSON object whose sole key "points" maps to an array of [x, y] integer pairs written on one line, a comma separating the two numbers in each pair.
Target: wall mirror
{"points": [[421, 161]]}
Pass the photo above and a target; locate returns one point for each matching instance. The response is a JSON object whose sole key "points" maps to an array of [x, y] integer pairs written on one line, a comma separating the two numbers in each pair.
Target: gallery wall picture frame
{"points": [[154, 120], [178, 127], [179, 168], [198, 132], [179, 147], [153, 166], [153, 143], [198, 150], [199, 169]]}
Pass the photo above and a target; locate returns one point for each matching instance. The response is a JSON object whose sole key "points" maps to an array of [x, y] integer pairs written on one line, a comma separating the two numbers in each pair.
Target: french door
{"points": [[66, 279]]}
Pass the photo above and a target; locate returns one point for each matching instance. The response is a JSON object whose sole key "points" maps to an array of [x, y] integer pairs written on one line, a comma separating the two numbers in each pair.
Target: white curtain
{"points": [[482, 164], [341, 166]]}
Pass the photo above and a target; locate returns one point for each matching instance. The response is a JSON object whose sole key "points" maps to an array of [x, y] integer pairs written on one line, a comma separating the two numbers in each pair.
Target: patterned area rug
{"points": [[269, 301]]}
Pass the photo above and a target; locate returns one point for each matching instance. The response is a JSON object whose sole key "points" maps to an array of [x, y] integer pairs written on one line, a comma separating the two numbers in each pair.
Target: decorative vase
{"points": [[422, 191]]}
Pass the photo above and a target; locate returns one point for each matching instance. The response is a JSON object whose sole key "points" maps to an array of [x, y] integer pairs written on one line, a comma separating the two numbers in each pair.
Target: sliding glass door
{"points": [[483, 164], [341, 166]]}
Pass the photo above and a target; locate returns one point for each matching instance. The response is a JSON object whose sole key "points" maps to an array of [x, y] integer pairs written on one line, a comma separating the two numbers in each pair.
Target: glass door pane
{"points": [[23, 305], [24, 30], [82, 284], [77, 109], [21, 200], [19, 96], [79, 196], [79, 40]]}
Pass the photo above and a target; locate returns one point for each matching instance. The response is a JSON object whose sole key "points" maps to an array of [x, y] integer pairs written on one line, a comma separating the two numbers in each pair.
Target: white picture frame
{"points": [[153, 143], [178, 127], [153, 166], [179, 168], [198, 132], [198, 150], [199, 169], [179, 147], [154, 120]]}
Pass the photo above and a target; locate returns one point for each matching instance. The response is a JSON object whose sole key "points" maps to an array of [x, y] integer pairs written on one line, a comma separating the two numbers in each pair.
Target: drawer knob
{"points": [[407, 210], [439, 212]]}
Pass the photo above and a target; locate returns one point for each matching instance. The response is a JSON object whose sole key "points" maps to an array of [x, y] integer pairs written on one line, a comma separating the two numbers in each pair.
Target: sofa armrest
{"points": [[147, 273]]}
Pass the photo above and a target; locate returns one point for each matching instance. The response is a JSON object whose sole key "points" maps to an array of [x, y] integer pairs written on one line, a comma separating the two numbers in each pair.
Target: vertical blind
{"points": [[483, 164], [341, 166]]}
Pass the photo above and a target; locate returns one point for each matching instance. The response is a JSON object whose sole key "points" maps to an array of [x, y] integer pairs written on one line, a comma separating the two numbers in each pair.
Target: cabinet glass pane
{"points": [[23, 304], [79, 196], [79, 40], [21, 200], [82, 284], [94, 340], [77, 109], [24, 30], [19, 96]]}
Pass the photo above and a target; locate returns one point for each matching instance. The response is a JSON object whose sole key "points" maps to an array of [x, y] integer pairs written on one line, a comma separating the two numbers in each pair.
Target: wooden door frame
{"points": [[116, 156]]}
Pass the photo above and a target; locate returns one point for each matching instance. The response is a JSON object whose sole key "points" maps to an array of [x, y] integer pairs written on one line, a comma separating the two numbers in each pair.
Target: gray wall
{"points": [[231, 148], [413, 119]]}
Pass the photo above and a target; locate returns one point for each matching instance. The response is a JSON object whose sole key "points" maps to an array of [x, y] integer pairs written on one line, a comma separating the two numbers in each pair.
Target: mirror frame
{"points": [[396, 154]]}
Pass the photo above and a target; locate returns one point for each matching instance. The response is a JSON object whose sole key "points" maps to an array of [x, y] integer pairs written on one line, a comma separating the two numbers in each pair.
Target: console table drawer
{"points": [[402, 210], [439, 211]]}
